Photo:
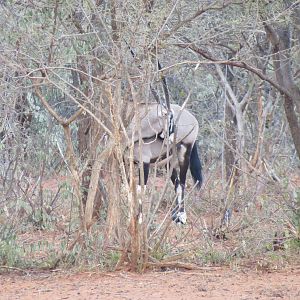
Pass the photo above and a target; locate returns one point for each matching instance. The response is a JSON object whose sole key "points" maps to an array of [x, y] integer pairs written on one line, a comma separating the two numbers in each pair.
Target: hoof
{"points": [[180, 217]]}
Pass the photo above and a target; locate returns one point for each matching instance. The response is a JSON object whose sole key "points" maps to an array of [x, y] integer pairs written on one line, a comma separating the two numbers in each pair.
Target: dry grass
{"points": [[262, 231]]}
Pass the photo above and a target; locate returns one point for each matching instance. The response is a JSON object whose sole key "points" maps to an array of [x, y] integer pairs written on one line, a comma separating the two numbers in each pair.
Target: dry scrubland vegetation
{"points": [[69, 70]]}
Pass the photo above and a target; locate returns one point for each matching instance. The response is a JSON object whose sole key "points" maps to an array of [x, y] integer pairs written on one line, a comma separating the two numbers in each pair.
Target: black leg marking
{"points": [[146, 172], [184, 153], [184, 164], [139, 190], [174, 177], [146, 167]]}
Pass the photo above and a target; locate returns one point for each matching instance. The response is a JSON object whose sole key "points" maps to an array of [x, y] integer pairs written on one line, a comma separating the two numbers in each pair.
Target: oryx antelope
{"points": [[162, 131]]}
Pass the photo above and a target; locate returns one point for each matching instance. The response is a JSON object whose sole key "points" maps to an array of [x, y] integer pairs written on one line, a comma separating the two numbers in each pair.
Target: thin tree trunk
{"points": [[260, 129], [289, 108], [230, 137], [281, 42]]}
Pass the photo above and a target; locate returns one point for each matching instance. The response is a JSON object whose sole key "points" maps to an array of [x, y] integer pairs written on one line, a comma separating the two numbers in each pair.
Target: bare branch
{"points": [[52, 112], [198, 13], [238, 64]]}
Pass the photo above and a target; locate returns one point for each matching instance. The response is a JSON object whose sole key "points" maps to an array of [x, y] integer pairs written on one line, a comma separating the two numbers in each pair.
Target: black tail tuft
{"points": [[195, 166]]}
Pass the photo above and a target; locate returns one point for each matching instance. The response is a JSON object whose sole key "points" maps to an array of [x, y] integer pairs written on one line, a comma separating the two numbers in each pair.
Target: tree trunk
{"points": [[280, 39], [291, 116], [229, 151]]}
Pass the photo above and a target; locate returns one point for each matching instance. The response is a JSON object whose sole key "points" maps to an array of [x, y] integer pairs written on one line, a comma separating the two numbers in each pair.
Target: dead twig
{"points": [[178, 265], [14, 269]]}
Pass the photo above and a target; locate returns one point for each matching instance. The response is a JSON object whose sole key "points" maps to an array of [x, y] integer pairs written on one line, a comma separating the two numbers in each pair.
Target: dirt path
{"points": [[210, 284]]}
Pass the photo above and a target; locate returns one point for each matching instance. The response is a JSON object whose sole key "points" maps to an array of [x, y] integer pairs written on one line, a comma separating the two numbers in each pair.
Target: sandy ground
{"points": [[204, 284]]}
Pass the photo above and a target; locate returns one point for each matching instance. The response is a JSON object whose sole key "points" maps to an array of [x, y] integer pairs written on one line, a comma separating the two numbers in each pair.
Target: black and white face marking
{"points": [[169, 126], [171, 122]]}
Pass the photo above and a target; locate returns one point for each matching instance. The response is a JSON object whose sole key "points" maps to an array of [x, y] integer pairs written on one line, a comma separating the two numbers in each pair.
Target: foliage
{"points": [[70, 72]]}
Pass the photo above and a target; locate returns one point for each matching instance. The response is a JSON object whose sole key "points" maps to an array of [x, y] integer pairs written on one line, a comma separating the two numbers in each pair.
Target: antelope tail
{"points": [[195, 166]]}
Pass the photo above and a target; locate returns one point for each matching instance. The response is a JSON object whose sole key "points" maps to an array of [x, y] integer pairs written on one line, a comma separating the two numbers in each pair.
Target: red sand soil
{"points": [[205, 284], [209, 283]]}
